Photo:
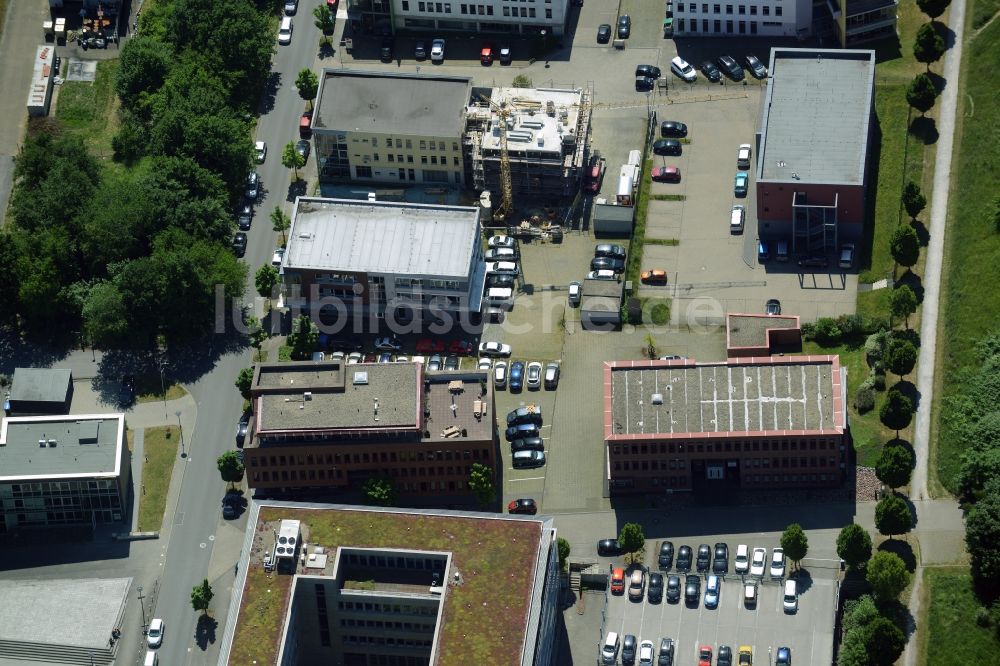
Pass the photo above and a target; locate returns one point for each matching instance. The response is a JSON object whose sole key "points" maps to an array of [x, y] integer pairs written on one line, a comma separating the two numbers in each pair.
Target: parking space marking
{"points": [[530, 478]]}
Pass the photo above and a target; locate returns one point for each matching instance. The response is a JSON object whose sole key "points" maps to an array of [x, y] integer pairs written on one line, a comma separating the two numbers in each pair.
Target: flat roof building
{"points": [[63, 469], [36, 391], [381, 259], [325, 425], [492, 17], [813, 144], [762, 334], [377, 585], [601, 304], [755, 422], [378, 127], [757, 18]]}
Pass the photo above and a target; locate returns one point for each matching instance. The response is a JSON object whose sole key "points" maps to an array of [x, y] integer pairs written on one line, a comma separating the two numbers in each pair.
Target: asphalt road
{"points": [[192, 536]]}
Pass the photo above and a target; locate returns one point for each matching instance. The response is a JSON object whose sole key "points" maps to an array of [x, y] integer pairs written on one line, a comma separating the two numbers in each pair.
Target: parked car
{"points": [[501, 268], [305, 125], [673, 589], [485, 364], [711, 72], [704, 558], [387, 344], [437, 50], [385, 357], [527, 444], [624, 26], [551, 376], [499, 374], [665, 560], [461, 347], [602, 275], [516, 376], [651, 71], [495, 242], [607, 263], [608, 547], [500, 280], [291, 6], [666, 174], [725, 656], [595, 171], [675, 128], [527, 459], [285, 31], [812, 261], [253, 186], [230, 506], [684, 559], [534, 375], [705, 656], [451, 362], [603, 33], [654, 276], [666, 656], [730, 67], [154, 635], [745, 655], [240, 244], [655, 591], [667, 147], [386, 47], [628, 650], [526, 506], [486, 55], [260, 151], [420, 50], [790, 600], [637, 585], [506, 57], [777, 563], [742, 562], [526, 414], [692, 589], [494, 349], [720, 563], [683, 69], [846, 256], [609, 250], [646, 653], [741, 183], [773, 307], [521, 430], [302, 148], [750, 593], [355, 357], [244, 217], [644, 83], [501, 254], [428, 346], [575, 293], [609, 651], [757, 561], [737, 216], [743, 154], [713, 588], [783, 657], [242, 427], [276, 258], [755, 66]]}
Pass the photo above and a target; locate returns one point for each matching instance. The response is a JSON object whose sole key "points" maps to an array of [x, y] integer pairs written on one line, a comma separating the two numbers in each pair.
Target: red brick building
{"points": [[756, 422], [328, 425]]}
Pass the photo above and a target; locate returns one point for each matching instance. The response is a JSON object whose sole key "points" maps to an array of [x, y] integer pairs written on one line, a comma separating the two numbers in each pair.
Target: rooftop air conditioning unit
{"points": [[360, 378]]}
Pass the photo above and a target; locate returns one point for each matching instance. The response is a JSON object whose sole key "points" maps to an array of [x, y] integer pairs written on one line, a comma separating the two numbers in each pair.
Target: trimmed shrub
{"points": [[827, 332], [864, 399]]}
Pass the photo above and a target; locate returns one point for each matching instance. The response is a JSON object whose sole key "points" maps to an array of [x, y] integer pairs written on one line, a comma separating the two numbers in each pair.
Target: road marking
{"points": [[530, 478], [211, 537], [202, 545]]}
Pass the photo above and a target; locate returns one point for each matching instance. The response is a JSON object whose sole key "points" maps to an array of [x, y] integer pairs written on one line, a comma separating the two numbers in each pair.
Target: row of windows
{"points": [[717, 9], [389, 660], [428, 175], [727, 446], [296, 475], [383, 641], [359, 458], [424, 144], [324, 621], [790, 478], [654, 465], [387, 608], [57, 487], [417, 283], [391, 626]]}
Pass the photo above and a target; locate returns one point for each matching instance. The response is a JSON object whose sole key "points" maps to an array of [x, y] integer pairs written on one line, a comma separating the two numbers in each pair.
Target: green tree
{"points": [[921, 93], [280, 223], [324, 20], [892, 516], [884, 641], [854, 545], [105, 317], [982, 538], [933, 8], [902, 357], [905, 245], [902, 303], [928, 46], [244, 380], [380, 490], [303, 337], [897, 410], [887, 574], [980, 463], [894, 466], [794, 543], [564, 551], [307, 83], [522, 81], [291, 159], [143, 66], [631, 538], [201, 596], [481, 484], [230, 467], [265, 280], [913, 200]]}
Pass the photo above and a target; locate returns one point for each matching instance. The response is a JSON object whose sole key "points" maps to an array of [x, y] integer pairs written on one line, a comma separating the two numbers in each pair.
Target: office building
{"points": [[544, 18], [751, 18], [40, 391]]}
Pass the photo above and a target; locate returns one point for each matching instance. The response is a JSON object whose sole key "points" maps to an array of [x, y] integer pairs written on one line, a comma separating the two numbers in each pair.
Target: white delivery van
{"points": [[500, 296], [736, 219], [151, 659], [634, 158]]}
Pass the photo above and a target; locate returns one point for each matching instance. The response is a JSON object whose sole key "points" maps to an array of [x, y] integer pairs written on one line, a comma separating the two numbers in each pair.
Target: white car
{"points": [[777, 563], [260, 151], [500, 241], [603, 274], [742, 562], [276, 258], [354, 358], [154, 637], [501, 268], [437, 50], [402, 359], [646, 653], [757, 562], [501, 254], [500, 374], [291, 6], [534, 375], [485, 364], [575, 293], [494, 349], [750, 593], [387, 344], [743, 156], [681, 68], [285, 31]]}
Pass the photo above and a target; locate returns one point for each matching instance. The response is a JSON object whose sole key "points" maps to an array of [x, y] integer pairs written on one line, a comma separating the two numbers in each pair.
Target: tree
{"points": [[481, 484], [631, 538], [303, 337], [982, 538], [902, 303], [563, 546], [854, 545], [921, 93], [902, 357], [380, 490], [280, 223], [887, 574], [913, 200], [928, 46], [905, 245], [884, 641], [892, 516], [324, 20], [143, 66], [897, 410], [291, 159], [201, 596], [794, 543], [521, 81], [307, 84], [933, 8], [105, 317], [894, 466], [244, 380], [265, 280], [230, 467]]}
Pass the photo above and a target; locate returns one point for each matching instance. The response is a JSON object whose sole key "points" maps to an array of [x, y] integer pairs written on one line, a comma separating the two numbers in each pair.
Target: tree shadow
{"points": [[326, 50], [945, 33], [900, 616], [924, 129], [903, 549], [297, 188], [204, 633], [939, 81], [909, 334], [270, 93], [923, 234], [803, 578], [909, 389], [18, 352], [914, 282]]}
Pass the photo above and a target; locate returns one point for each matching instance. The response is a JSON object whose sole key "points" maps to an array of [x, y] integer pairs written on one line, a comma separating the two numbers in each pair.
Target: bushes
{"points": [[829, 332], [864, 399]]}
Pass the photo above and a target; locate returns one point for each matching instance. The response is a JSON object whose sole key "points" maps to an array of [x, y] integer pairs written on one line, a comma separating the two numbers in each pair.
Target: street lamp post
{"points": [[181, 429], [163, 390], [143, 609]]}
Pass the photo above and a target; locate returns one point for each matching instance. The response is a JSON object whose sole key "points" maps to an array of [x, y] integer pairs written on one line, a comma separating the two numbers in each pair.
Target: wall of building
{"points": [[774, 206], [545, 644], [484, 16], [390, 158], [747, 17]]}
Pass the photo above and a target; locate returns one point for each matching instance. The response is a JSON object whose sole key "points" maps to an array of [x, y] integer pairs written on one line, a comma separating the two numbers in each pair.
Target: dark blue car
{"points": [[516, 375]]}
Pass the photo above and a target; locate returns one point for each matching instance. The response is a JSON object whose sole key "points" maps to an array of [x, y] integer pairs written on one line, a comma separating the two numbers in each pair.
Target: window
{"points": [[777, 10], [704, 8], [447, 8], [506, 11], [704, 25], [548, 13], [489, 10], [694, 25], [766, 10], [753, 10], [406, 6], [375, 156], [363, 172], [423, 145], [729, 9], [716, 9], [464, 9], [421, 6], [392, 158], [531, 12], [399, 143], [409, 159], [439, 7], [743, 27], [742, 9], [680, 6], [409, 144], [423, 159]]}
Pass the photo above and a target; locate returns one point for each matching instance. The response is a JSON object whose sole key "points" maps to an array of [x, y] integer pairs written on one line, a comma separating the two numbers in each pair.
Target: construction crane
{"points": [[506, 206]]}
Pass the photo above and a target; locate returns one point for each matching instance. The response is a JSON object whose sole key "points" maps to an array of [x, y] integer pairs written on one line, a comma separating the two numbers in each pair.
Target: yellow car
{"points": [[746, 655]]}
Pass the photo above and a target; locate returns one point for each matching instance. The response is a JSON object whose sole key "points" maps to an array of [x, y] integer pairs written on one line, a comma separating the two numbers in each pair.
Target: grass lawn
{"points": [[951, 633], [972, 252], [148, 389], [90, 109], [160, 448]]}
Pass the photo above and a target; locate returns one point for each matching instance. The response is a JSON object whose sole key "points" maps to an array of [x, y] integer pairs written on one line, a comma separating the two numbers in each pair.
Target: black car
{"points": [[245, 216], [451, 363], [812, 261], [673, 128], [496, 280], [725, 657], [624, 26], [520, 431], [654, 592], [385, 51], [730, 67], [603, 33], [628, 650], [608, 547], [609, 250], [755, 66], [666, 558], [521, 415], [773, 307], [673, 589], [684, 559], [644, 83], [525, 506], [242, 428], [527, 444], [692, 589], [651, 71], [607, 264], [230, 506], [253, 186], [704, 558], [720, 564], [666, 147], [127, 395], [302, 148], [666, 657], [240, 244], [711, 72]]}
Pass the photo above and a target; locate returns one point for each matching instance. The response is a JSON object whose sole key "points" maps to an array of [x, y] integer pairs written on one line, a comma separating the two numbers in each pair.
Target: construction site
{"points": [[528, 148]]}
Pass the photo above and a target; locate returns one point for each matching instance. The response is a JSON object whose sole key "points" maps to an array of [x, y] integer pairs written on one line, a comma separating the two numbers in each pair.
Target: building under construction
{"points": [[545, 143]]}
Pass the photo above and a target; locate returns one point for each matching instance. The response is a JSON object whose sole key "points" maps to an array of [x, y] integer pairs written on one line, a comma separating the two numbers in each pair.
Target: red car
{"points": [[593, 173], [667, 174], [527, 506], [655, 276], [705, 656], [461, 347], [428, 346]]}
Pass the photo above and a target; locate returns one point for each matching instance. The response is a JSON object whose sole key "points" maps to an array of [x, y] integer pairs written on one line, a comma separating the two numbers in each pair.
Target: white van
{"points": [[499, 296], [151, 659], [501, 268], [609, 651], [634, 158], [791, 598], [736, 219], [285, 30]]}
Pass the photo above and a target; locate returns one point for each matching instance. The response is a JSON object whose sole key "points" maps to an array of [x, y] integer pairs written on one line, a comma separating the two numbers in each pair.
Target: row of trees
{"points": [[928, 47]]}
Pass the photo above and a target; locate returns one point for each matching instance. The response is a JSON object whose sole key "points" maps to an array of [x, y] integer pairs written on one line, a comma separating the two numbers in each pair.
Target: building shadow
{"points": [[924, 129], [874, 164], [564, 652], [903, 549], [204, 633]]}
